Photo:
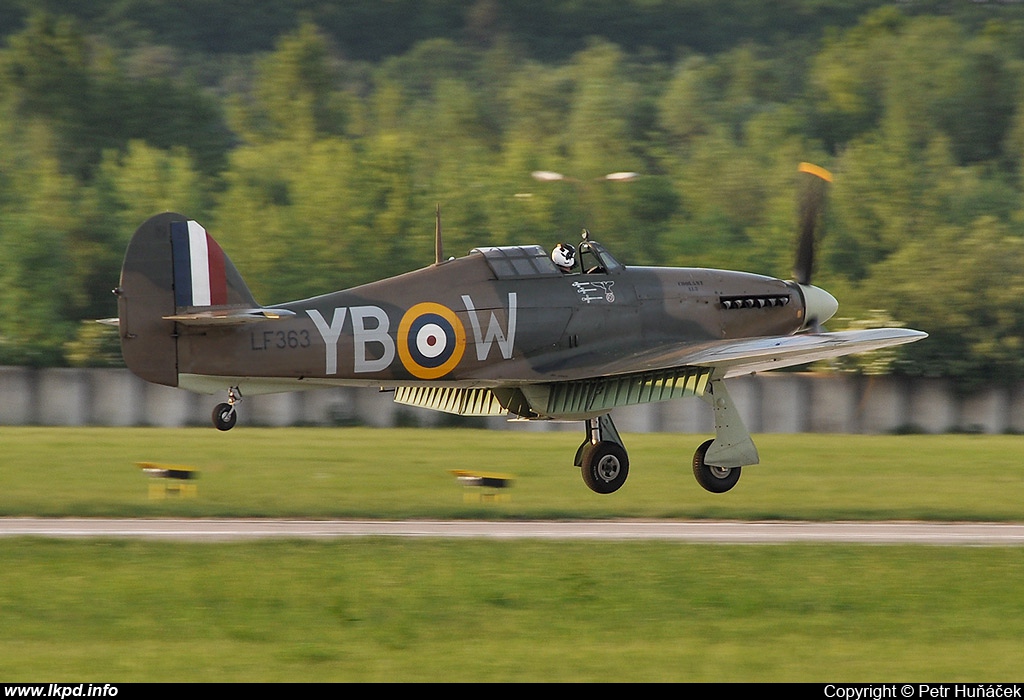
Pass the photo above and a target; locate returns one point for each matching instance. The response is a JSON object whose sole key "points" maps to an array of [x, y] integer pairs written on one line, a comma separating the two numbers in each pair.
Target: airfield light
{"points": [[548, 176], [583, 187], [551, 176]]}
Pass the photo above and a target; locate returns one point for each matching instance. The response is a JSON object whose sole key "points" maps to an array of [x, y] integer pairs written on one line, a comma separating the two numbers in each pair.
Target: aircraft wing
{"points": [[743, 356], [658, 374]]}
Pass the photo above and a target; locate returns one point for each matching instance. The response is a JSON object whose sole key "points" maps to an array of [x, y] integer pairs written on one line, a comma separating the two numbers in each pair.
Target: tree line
{"points": [[316, 170]]}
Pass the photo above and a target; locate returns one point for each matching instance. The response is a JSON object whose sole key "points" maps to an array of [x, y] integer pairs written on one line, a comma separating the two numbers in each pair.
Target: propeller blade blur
{"points": [[812, 205]]}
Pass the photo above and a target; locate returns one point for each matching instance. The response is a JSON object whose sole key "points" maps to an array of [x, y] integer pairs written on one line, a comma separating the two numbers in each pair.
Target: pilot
{"points": [[564, 256]]}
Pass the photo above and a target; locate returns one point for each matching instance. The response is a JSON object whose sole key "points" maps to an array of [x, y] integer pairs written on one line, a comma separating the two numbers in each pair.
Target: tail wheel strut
{"points": [[224, 414]]}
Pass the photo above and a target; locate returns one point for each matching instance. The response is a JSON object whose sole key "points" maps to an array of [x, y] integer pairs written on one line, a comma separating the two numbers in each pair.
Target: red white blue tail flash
{"points": [[200, 277]]}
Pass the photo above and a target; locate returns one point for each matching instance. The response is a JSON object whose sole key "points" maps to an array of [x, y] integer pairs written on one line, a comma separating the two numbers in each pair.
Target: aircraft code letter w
{"points": [[505, 339]]}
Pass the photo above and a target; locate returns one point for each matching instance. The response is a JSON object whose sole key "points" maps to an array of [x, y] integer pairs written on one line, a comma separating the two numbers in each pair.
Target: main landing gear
{"points": [[717, 463], [602, 458], [712, 478], [224, 414]]}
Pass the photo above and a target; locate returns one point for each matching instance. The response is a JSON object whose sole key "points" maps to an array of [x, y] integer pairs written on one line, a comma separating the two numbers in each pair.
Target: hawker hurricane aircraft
{"points": [[505, 330]]}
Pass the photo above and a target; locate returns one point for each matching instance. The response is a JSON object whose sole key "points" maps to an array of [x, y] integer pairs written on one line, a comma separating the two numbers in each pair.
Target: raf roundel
{"points": [[431, 340]]}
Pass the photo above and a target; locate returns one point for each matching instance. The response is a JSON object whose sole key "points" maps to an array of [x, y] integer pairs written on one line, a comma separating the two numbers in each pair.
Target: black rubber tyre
{"points": [[224, 416], [605, 467], [713, 479]]}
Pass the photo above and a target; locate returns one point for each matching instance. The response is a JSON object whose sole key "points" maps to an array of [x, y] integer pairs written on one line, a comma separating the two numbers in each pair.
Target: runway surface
{"points": [[706, 531]]}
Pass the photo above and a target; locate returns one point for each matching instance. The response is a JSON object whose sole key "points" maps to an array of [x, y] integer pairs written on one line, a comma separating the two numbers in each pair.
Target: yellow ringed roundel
{"points": [[431, 340]]}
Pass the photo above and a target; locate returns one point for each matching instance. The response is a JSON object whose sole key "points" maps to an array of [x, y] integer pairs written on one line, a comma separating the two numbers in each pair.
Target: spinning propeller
{"points": [[820, 305]]}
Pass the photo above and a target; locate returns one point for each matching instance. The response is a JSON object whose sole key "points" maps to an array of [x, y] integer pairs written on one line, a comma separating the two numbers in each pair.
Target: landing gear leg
{"points": [[716, 464], [602, 458], [224, 414]]}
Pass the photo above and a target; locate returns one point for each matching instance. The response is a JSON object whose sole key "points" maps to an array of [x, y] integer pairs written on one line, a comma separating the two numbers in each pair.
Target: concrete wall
{"points": [[769, 403]]}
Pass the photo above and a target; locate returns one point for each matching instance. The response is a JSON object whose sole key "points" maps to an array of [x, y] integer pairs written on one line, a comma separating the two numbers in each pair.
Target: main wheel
{"points": [[714, 479], [224, 416], [605, 467]]}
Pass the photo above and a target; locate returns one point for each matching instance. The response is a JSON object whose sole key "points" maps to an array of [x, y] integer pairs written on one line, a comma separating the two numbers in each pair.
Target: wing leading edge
{"points": [[732, 358]]}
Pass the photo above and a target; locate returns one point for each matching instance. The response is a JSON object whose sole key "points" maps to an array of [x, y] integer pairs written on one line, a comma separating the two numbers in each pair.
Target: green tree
{"points": [[39, 279], [847, 81], [77, 87], [46, 68], [297, 92], [963, 286], [133, 185]]}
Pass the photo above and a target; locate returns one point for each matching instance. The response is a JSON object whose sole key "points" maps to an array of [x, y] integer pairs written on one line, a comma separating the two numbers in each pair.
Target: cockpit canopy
{"points": [[518, 262], [522, 262], [593, 258]]}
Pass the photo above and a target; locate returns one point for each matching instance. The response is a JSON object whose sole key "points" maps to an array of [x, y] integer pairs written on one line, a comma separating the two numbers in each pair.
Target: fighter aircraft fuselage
{"points": [[456, 323]]}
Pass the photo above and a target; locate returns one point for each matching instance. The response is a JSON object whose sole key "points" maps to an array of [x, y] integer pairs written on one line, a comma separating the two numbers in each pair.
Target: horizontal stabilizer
{"points": [[229, 317]]}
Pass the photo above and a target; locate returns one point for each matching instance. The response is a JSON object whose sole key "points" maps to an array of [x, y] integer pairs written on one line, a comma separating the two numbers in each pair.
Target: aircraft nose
{"points": [[819, 305]]}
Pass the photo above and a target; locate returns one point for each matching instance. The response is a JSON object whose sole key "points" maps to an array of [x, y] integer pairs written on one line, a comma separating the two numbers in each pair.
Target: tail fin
{"points": [[172, 266]]}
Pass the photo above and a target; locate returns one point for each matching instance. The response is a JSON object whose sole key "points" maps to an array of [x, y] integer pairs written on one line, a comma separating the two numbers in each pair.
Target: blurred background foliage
{"points": [[315, 139]]}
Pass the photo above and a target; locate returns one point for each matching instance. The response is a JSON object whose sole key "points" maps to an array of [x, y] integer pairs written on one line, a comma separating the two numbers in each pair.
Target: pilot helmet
{"points": [[564, 255]]}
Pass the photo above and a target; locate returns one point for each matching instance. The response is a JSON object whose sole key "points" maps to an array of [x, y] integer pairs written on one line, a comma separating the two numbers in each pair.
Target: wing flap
{"points": [[589, 398], [460, 401]]}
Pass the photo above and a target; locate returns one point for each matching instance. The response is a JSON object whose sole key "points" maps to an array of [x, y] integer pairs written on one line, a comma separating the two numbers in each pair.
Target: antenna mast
{"points": [[438, 248]]}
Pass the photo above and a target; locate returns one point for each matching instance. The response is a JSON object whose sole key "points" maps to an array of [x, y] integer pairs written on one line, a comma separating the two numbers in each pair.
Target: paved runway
{"points": [[706, 531]]}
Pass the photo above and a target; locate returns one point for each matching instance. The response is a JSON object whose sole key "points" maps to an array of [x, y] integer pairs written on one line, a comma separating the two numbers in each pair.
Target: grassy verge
{"points": [[401, 473], [430, 610], [387, 610]]}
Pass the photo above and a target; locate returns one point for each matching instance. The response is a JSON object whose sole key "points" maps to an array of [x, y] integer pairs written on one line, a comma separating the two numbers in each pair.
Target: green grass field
{"points": [[394, 610], [380, 609], [403, 473]]}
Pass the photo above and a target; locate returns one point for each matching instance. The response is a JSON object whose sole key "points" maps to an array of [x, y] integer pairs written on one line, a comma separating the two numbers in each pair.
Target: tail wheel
{"points": [[224, 416], [604, 466], [712, 478]]}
